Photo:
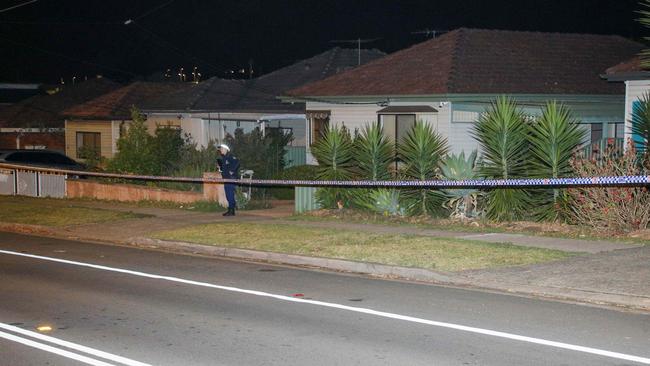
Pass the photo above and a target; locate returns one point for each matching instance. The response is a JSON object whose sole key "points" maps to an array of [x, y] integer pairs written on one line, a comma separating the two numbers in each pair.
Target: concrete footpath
{"points": [[605, 273]]}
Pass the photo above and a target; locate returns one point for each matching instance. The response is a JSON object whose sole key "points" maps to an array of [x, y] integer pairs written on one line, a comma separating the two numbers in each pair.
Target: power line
{"points": [[149, 12], [56, 23], [17, 6]]}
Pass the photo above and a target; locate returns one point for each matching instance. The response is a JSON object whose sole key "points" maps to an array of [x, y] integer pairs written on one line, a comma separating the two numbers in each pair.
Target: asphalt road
{"points": [[181, 310]]}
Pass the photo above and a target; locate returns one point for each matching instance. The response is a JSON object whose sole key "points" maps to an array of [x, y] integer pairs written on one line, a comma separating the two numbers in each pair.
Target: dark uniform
{"points": [[229, 165]]}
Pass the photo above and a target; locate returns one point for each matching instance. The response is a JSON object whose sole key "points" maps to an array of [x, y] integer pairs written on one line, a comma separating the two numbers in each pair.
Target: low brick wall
{"points": [[80, 188]]}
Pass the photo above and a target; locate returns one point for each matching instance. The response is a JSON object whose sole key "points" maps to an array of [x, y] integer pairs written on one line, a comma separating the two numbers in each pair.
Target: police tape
{"points": [[611, 181]]}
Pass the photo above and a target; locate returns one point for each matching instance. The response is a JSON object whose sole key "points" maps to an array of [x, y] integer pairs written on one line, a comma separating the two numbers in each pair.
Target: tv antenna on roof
{"points": [[430, 33], [358, 41]]}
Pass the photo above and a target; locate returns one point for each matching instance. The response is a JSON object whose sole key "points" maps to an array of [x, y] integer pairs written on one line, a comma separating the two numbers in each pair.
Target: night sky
{"points": [[49, 39]]}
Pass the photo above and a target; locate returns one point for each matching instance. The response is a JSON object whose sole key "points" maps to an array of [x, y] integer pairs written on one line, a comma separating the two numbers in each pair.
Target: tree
{"points": [[135, 148]]}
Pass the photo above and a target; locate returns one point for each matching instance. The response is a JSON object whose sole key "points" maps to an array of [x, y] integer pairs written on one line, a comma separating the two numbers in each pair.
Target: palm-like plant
{"points": [[640, 128], [501, 134], [374, 154], [384, 201], [334, 153], [645, 21], [554, 138], [421, 151], [462, 202]]}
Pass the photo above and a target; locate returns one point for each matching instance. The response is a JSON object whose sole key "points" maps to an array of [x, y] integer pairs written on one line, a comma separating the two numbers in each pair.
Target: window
{"points": [[318, 123], [596, 132], [396, 126], [88, 142]]}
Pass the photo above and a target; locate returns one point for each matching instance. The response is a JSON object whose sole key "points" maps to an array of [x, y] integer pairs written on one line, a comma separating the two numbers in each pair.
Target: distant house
{"points": [[450, 80], [637, 83], [99, 123], [11, 93], [38, 121], [212, 109]]}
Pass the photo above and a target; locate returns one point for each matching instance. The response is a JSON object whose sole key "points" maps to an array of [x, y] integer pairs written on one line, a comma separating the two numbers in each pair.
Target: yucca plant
{"points": [[645, 21], [501, 133], [374, 154], [384, 201], [640, 128], [421, 151], [334, 153], [554, 138], [462, 203]]}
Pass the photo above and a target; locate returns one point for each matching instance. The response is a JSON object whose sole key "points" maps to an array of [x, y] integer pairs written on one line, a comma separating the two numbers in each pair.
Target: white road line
{"points": [[74, 346], [516, 337], [60, 352]]}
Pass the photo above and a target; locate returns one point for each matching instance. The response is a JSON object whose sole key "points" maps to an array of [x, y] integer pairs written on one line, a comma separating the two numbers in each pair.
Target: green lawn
{"points": [[54, 212], [441, 254]]}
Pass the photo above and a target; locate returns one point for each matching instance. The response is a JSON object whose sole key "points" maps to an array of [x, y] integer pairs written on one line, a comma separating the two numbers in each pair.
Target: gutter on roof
{"points": [[351, 99], [625, 76]]}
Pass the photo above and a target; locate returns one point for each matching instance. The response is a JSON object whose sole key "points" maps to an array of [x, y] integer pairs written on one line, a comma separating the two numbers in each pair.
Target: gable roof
{"points": [[476, 61], [260, 94], [630, 69], [47, 110], [117, 103]]}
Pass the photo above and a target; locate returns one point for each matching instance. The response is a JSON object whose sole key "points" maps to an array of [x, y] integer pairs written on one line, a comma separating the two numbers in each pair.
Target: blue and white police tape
{"points": [[612, 181]]}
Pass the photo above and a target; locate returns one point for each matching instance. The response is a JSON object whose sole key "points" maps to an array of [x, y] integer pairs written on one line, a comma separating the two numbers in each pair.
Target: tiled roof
{"points": [[631, 65], [260, 94], [117, 103], [47, 110], [474, 61]]}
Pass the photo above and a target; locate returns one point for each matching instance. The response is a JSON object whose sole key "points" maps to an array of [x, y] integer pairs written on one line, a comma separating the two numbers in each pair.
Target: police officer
{"points": [[229, 165]]}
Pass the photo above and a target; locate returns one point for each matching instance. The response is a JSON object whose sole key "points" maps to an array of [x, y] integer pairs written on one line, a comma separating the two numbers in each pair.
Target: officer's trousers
{"points": [[230, 195]]}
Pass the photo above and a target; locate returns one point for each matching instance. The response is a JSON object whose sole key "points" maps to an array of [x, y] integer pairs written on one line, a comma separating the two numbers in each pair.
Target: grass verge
{"points": [[548, 229], [442, 254], [54, 212]]}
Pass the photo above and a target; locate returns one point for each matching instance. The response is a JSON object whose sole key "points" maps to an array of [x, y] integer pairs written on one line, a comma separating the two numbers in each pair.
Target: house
{"points": [[38, 121], [212, 109], [450, 80], [637, 83], [99, 123]]}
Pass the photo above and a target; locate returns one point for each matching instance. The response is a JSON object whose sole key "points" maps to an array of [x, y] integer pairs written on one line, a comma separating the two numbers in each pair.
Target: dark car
{"points": [[40, 158]]}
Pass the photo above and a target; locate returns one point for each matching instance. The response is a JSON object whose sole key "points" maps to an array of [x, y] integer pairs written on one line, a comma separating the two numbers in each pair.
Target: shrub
{"points": [[384, 201], [334, 153], [619, 209], [421, 151], [502, 136], [462, 203], [554, 138]]}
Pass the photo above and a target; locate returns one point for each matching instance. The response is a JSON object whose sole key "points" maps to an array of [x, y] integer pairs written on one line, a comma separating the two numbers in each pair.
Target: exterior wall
{"points": [[132, 193], [105, 128], [457, 114], [634, 91], [357, 116], [11, 139]]}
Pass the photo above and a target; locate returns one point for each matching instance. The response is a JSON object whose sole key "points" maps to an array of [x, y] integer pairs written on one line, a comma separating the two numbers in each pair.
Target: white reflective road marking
{"points": [[60, 352], [70, 345], [494, 333]]}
